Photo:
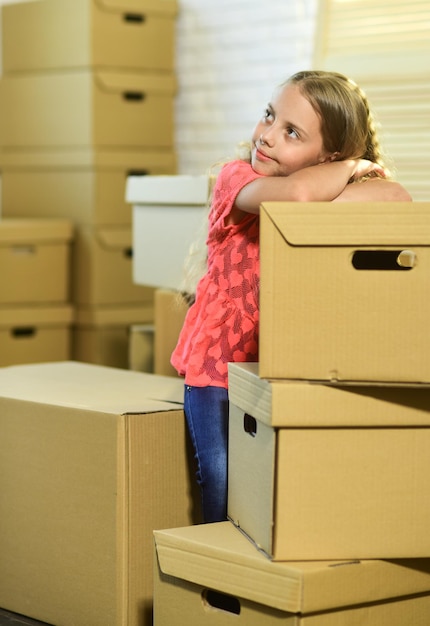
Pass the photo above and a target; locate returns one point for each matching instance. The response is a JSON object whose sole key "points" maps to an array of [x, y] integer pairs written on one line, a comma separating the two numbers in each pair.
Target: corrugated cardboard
{"points": [[35, 261], [82, 108], [324, 319], [343, 475], [103, 268], [141, 348], [92, 460], [169, 314], [49, 35], [169, 216], [192, 563], [101, 335], [87, 186]]}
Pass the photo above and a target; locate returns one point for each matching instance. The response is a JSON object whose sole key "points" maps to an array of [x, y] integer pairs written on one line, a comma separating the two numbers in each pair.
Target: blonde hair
{"points": [[347, 125]]}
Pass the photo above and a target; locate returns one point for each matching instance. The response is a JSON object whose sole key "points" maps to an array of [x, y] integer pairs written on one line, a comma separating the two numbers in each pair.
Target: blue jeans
{"points": [[206, 412]]}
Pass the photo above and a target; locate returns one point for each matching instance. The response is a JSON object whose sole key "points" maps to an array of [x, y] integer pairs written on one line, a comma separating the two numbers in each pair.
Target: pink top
{"points": [[222, 325]]}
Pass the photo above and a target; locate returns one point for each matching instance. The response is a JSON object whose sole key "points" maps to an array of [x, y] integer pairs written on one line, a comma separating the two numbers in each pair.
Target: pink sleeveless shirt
{"points": [[222, 324]]}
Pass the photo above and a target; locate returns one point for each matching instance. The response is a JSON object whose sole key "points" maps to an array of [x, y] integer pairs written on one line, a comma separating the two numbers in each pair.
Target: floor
{"points": [[12, 619]]}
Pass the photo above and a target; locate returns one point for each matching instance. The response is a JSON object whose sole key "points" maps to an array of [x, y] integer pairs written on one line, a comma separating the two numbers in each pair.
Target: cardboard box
{"points": [[102, 268], [211, 574], [342, 475], [344, 291], [169, 315], [92, 460], [83, 108], [35, 261], [35, 334], [169, 216], [136, 34], [141, 348], [86, 186], [101, 335]]}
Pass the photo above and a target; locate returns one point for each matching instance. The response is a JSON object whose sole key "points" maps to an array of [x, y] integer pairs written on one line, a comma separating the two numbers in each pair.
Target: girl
{"points": [[316, 136]]}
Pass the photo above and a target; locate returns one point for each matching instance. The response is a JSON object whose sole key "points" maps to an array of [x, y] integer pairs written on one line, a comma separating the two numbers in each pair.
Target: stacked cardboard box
{"points": [[169, 216], [90, 87], [36, 314], [329, 434]]}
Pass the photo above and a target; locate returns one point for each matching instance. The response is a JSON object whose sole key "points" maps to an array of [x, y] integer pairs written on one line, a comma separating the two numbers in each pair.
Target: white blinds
{"points": [[384, 45]]}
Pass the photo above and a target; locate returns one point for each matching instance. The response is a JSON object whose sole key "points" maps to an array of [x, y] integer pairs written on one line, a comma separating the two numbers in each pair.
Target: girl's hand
{"points": [[363, 167]]}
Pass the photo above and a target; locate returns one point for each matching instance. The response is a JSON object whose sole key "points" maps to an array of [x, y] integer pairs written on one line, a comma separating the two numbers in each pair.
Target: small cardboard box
{"points": [[103, 268], [35, 334], [170, 309], [344, 291], [101, 335], [169, 216], [35, 261], [328, 472], [92, 460], [211, 574], [84, 108], [141, 348], [86, 186], [51, 35]]}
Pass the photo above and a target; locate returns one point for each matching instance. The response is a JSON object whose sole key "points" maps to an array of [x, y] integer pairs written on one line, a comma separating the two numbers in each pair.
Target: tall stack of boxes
{"points": [[86, 100], [329, 435]]}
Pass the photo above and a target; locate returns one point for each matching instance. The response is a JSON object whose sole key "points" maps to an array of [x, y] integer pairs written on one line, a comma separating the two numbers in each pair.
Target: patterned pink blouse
{"points": [[222, 324]]}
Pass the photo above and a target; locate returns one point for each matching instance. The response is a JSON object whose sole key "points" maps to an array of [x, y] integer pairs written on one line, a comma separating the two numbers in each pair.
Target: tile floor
{"points": [[12, 619]]}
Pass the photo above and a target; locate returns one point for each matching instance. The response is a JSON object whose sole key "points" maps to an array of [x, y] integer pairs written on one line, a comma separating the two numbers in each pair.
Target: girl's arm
{"points": [[322, 182], [374, 190]]}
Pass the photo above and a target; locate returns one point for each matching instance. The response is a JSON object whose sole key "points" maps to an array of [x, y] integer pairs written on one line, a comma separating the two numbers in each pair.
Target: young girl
{"points": [[316, 136]]}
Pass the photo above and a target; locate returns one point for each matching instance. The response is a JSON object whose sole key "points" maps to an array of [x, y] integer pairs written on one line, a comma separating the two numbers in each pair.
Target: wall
{"points": [[231, 54]]}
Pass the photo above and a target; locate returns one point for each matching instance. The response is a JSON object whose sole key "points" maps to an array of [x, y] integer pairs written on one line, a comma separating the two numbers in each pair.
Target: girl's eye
{"points": [[292, 133], [268, 115]]}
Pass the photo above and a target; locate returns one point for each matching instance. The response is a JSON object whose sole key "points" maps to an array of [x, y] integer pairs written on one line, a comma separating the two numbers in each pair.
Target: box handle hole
{"points": [[397, 260], [128, 253], [23, 331], [250, 425], [137, 173], [134, 18], [221, 601], [133, 96]]}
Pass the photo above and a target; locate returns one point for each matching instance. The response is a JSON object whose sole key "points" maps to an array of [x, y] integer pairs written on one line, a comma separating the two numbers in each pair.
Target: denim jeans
{"points": [[206, 412]]}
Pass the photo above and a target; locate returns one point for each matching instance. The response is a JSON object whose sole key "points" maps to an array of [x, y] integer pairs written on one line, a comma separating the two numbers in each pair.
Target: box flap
{"points": [[116, 316], [136, 85], [133, 160], [352, 223], [219, 556], [91, 387], [35, 231], [171, 190], [36, 316], [289, 403], [117, 238], [168, 8]]}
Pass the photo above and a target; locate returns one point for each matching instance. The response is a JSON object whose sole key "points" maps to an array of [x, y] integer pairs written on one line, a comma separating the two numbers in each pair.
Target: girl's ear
{"points": [[330, 157]]}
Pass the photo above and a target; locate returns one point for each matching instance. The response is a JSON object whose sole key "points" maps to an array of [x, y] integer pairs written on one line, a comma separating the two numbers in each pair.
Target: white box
{"points": [[169, 214]]}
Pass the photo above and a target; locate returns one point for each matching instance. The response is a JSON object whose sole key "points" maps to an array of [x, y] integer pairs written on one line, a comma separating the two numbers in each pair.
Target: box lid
{"points": [[171, 190], [32, 231], [352, 223], [138, 84], [290, 403], [165, 8], [219, 556], [114, 316], [36, 316], [91, 387]]}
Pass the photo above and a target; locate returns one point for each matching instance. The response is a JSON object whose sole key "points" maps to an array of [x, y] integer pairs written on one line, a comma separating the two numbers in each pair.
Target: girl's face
{"points": [[288, 137]]}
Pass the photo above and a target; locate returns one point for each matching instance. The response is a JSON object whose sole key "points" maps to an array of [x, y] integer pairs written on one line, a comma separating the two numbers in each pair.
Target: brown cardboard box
{"points": [[102, 268], [169, 314], [327, 313], [86, 186], [141, 348], [35, 261], [35, 334], [50, 35], [92, 460], [211, 574], [101, 335], [81, 108], [328, 472]]}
